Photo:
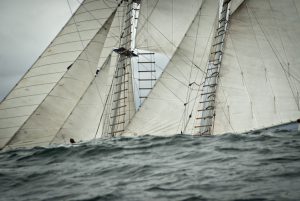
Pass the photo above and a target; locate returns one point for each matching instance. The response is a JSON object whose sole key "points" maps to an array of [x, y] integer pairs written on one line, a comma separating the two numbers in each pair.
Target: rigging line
{"points": [[171, 62], [225, 103], [87, 10], [106, 62], [70, 7], [274, 51], [164, 71], [108, 98], [101, 69], [87, 56], [76, 25], [279, 34], [177, 50], [189, 91], [174, 93], [66, 119], [260, 55], [84, 93], [228, 118], [36, 109], [285, 53], [27, 71], [148, 15], [205, 73], [243, 79]]}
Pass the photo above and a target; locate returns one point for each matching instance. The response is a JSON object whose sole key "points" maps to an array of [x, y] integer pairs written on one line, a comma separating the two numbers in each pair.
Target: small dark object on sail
{"points": [[97, 71], [72, 141], [125, 52], [69, 67]]}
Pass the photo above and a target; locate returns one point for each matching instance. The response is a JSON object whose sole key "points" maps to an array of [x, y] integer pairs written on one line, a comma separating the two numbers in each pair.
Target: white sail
{"points": [[162, 24], [260, 74], [167, 109], [120, 106], [234, 4], [86, 120], [39, 80], [41, 127]]}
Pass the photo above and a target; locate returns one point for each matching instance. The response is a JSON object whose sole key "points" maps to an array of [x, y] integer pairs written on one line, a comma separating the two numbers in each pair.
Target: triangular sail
{"points": [[47, 119], [86, 120], [39, 80], [170, 106], [162, 24], [260, 74]]}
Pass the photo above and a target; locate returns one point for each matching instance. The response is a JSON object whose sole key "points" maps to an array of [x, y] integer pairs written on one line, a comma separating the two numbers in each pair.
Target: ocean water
{"points": [[253, 166]]}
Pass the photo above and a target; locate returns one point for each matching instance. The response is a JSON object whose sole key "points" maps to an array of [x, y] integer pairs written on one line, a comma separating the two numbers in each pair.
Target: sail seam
{"points": [[26, 96], [16, 107], [41, 54], [39, 66], [58, 72], [12, 138], [33, 85], [49, 55]]}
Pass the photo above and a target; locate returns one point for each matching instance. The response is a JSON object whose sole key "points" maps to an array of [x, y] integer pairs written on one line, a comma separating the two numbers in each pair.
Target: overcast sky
{"points": [[26, 29]]}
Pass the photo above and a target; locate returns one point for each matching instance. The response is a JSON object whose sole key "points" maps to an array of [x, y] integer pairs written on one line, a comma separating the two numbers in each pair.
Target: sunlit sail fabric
{"points": [[260, 74], [41, 127], [169, 105], [32, 89]]}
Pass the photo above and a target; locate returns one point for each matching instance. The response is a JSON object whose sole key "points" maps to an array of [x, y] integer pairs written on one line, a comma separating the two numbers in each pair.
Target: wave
{"points": [[181, 167]]}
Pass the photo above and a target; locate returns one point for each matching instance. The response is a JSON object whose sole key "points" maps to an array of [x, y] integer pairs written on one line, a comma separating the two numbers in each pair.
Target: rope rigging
{"points": [[186, 116], [277, 55]]}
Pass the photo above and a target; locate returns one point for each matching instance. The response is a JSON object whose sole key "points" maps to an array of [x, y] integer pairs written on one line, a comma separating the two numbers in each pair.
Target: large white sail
{"points": [[31, 90], [162, 24], [86, 120], [41, 127], [260, 74], [169, 108], [257, 80]]}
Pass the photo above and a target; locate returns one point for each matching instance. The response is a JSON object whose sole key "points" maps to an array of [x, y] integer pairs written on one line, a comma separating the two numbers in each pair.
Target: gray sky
{"points": [[26, 29]]}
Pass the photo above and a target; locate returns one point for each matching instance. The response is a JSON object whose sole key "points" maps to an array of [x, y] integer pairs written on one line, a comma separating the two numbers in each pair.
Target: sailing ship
{"points": [[151, 67]]}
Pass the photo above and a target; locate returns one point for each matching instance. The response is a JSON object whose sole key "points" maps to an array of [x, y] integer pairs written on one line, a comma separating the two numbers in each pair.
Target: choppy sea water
{"points": [[254, 166]]}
